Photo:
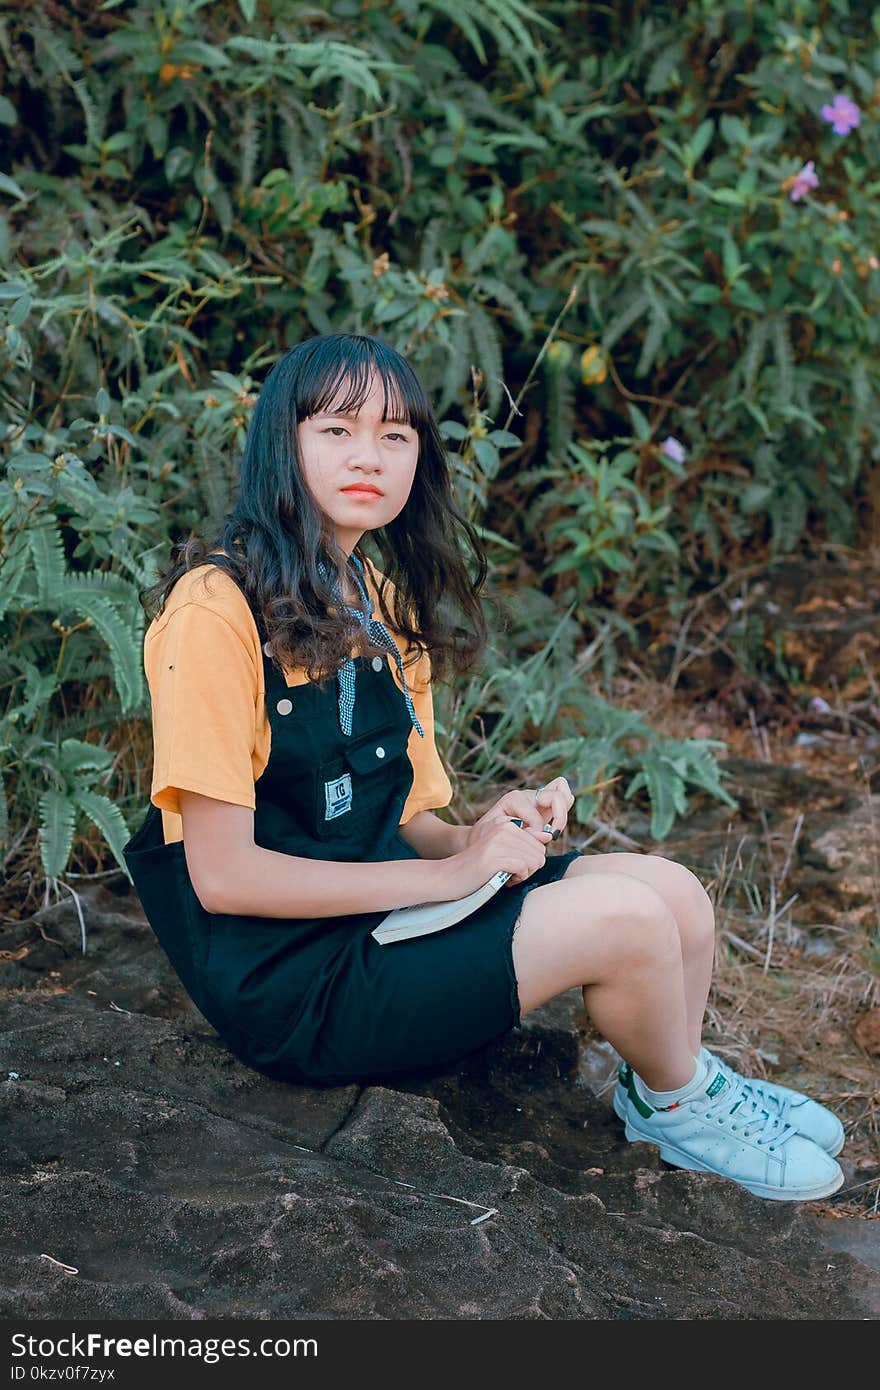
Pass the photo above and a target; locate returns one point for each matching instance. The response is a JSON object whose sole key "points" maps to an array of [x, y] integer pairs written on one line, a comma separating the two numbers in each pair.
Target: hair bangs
{"points": [[339, 374]]}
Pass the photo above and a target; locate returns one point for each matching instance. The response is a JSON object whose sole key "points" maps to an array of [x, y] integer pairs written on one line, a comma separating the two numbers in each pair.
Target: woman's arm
{"points": [[232, 874], [432, 837]]}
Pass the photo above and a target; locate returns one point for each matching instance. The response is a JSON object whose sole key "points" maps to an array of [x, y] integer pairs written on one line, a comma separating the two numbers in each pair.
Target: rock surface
{"points": [[137, 1151]]}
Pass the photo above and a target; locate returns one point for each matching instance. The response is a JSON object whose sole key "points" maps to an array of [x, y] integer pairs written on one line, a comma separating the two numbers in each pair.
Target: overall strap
{"points": [[381, 637]]}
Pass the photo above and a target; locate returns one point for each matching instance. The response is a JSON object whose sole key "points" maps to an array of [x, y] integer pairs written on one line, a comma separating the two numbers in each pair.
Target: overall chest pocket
{"points": [[359, 781]]}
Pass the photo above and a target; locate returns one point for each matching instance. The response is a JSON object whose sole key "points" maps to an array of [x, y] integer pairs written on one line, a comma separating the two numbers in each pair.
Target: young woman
{"points": [[295, 784]]}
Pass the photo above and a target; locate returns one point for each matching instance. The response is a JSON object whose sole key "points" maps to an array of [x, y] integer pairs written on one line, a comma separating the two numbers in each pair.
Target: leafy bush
{"points": [[638, 240]]}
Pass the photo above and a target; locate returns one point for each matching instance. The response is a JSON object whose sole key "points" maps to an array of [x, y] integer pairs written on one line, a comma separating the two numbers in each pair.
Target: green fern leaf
{"points": [[14, 572], [47, 553], [454, 380], [106, 815], [560, 415], [249, 150], [122, 641], [95, 119], [784, 364], [504, 20], [57, 820], [48, 43], [39, 687], [658, 327], [635, 309], [703, 771], [493, 288], [78, 756], [487, 353], [430, 241], [753, 353], [665, 788], [102, 584]]}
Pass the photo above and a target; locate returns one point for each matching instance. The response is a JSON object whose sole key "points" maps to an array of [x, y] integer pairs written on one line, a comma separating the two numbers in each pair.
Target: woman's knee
{"points": [[576, 933], [691, 905], [644, 925], [682, 890]]}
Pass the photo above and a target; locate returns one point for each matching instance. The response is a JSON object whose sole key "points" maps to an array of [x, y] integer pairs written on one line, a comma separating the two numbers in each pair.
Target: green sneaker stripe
{"points": [[643, 1109]]}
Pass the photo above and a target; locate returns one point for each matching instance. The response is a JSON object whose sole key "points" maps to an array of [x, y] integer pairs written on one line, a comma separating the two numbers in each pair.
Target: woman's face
{"points": [[359, 469]]}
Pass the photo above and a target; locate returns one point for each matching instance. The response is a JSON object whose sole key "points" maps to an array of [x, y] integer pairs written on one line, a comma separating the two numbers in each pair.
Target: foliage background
{"points": [[578, 221]]}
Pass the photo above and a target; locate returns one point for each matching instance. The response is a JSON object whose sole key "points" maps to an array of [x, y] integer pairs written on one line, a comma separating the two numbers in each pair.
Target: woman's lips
{"points": [[358, 491]]}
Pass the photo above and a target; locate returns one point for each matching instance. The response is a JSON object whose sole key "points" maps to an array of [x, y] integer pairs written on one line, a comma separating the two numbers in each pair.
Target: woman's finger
{"points": [[521, 804], [554, 801]]}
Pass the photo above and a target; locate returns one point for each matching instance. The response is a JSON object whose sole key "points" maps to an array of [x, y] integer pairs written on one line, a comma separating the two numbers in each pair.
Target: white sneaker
{"points": [[808, 1117], [725, 1129]]}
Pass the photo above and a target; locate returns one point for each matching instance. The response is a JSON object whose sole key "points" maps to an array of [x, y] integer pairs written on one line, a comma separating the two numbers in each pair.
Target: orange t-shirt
{"points": [[211, 733]]}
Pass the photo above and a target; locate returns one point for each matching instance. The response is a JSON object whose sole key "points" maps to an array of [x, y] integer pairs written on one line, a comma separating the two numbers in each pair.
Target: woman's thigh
{"points": [[574, 932]]}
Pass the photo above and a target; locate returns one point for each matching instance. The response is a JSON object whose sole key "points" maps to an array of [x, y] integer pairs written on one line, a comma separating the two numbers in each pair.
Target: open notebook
{"points": [[419, 920], [406, 922]]}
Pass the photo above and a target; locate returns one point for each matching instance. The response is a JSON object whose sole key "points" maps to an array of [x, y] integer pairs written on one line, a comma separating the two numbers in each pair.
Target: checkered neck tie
{"points": [[382, 638]]}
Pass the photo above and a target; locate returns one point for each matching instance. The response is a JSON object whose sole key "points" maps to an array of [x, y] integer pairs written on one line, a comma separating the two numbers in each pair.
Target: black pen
{"points": [[548, 828]]}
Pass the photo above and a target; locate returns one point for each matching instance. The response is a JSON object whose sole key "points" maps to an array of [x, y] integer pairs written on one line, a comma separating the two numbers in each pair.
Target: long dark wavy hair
{"points": [[275, 534]]}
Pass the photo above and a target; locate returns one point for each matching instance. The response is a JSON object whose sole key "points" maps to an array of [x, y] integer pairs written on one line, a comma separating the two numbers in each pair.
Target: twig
{"points": [[513, 406], [103, 873], [59, 1264], [487, 1211], [591, 651], [572, 296], [610, 834], [794, 839], [693, 609], [760, 737], [59, 883], [478, 1206], [866, 667], [772, 927], [743, 945]]}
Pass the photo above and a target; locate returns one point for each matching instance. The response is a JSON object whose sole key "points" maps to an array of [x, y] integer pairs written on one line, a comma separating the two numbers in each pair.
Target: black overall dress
{"points": [[318, 1000]]}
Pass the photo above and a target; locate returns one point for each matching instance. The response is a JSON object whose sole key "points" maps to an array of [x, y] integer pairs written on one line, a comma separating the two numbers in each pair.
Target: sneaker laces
{"points": [[771, 1100], [741, 1111]]}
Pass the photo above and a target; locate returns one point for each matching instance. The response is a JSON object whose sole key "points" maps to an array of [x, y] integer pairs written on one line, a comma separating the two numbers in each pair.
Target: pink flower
{"points": [[843, 114], [804, 180], [673, 449]]}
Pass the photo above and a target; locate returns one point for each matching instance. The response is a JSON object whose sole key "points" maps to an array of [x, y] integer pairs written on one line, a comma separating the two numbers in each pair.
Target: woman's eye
{"points": [[338, 429]]}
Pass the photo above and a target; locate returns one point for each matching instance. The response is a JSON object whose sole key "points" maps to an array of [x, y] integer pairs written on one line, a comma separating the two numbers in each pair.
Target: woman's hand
{"points": [[535, 807], [501, 845]]}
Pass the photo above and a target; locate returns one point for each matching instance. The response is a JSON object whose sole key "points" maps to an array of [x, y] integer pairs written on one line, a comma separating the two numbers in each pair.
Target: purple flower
{"points": [[673, 449], [803, 181], [843, 115]]}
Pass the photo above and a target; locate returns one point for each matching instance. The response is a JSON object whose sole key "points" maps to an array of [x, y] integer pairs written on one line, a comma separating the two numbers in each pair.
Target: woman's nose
{"points": [[367, 453]]}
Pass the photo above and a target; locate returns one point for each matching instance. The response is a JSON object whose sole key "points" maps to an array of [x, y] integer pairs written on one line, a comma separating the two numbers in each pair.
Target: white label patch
{"points": [[337, 796]]}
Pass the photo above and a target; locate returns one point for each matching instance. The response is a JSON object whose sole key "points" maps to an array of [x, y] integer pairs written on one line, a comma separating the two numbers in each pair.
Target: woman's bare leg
{"points": [[617, 938], [694, 915]]}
